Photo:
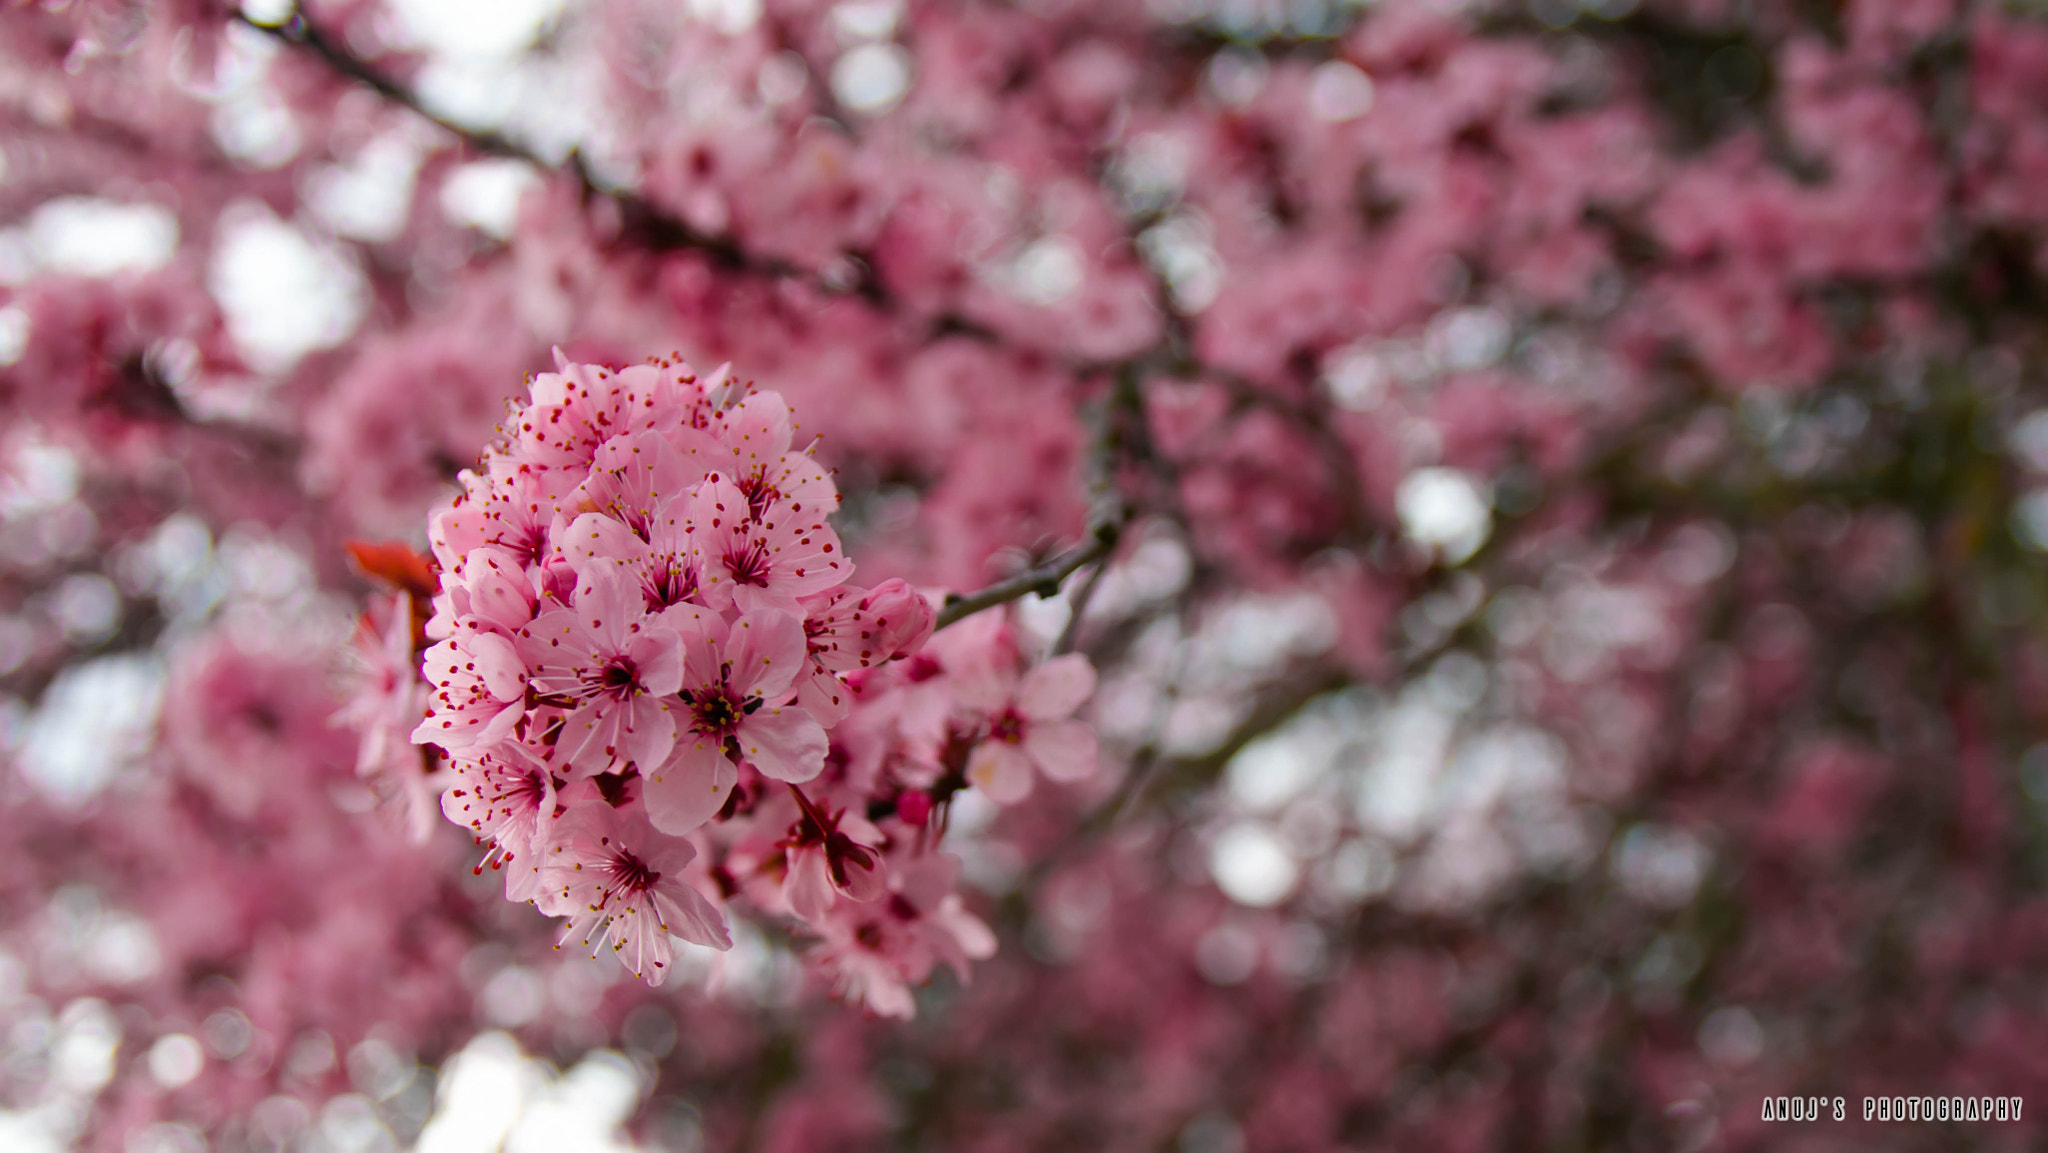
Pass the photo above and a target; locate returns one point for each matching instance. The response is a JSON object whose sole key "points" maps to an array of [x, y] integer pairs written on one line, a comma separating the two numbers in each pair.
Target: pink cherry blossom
{"points": [[620, 884], [608, 665], [765, 562], [736, 690], [1031, 727], [506, 796]]}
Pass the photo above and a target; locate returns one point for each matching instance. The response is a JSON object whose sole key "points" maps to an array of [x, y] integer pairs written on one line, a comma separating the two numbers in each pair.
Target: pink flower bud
{"points": [[901, 618], [914, 806]]}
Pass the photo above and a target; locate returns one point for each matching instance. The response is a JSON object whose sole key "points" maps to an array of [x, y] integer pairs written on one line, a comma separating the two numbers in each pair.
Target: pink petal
{"points": [[757, 429], [588, 735], [784, 742], [1001, 770], [1053, 690], [498, 663], [1062, 750], [649, 731], [825, 697], [703, 643], [766, 651], [608, 605], [688, 790], [499, 728], [690, 915], [657, 656], [807, 886]]}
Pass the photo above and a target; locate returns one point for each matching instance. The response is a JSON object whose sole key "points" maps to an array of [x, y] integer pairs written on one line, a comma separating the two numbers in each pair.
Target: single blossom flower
{"points": [[850, 628], [621, 885], [478, 696], [388, 700], [613, 669], [750, 442], [767, 563], [735, 702], [1032, 726], [506, 798]]}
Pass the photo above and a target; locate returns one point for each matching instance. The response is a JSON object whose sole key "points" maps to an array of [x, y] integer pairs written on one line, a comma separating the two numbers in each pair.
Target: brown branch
{"points": [[1042, 579]]}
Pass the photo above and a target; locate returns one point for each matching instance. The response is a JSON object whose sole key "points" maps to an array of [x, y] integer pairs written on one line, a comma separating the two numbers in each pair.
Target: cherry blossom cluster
{"points": [[642, 636], [1579, 478]]}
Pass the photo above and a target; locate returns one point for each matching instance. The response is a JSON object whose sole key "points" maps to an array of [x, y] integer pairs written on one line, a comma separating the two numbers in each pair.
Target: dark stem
{"points": [[1042, 579]]}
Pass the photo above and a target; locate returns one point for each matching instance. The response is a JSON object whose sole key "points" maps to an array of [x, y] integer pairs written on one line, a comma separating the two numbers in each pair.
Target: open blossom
{"points": [[766, 561], [610, 667], [505, 797], [735, 698], [621, 885], [874, 952], [1030, 726], [479, 692], [750, 443]]}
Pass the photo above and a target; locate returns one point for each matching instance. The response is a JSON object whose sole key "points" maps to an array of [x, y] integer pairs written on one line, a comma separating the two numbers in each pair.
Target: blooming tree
{"points": [[884, 574]]}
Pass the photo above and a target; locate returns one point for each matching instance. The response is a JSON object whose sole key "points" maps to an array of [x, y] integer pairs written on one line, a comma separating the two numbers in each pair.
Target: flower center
{"points": [[618, 677], [716, 711], [749, 564], [672, 582], [1008, 727], [759, 490], [627, 875], [526, 540]]}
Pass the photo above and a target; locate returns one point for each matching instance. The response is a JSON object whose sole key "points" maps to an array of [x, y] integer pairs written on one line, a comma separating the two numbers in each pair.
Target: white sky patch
{"points": [[1236, 75], [1661, 865], [731, 17], [1468, 339], [370, 197], [486, 195], [1445, 509], [94, 719], [494, 1097], [268, 12], [1398, 794], [1256, 633], [1252, 866], [14, 333], [284, 293], [250, 122], [88, 236], [176, 1059], [855, 20], [872, 77], [1179, 249], [1293, 759], [2030, 519], [41, 477], [476, 27], [2029, 440], [1049, 270], [1338, 91]]}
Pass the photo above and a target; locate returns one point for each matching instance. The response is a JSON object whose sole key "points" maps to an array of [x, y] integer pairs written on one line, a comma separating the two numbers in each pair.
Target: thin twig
{"points": [[300, 32], [1118, 419], [1042, 579], [1080, 608]]}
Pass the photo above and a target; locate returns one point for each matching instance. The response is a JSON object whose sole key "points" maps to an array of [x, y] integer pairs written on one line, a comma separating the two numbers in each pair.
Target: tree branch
{"points": [[1042, 579]]}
